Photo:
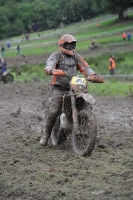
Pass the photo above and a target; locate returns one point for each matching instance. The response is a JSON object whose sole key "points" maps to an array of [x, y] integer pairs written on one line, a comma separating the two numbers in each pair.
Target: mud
{"points": [[29, 171]]}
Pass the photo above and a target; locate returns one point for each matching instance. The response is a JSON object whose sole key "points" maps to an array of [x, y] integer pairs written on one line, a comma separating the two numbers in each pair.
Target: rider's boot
{"points": [[48, 129], [45, 138], [51, 118]]}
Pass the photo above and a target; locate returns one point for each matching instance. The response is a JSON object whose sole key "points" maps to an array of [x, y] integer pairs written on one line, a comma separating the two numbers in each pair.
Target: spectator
{"points": [[23, 36], [98, 25], [112, 64], [124, 36], [8, 44], [27, 36], [3, 51], [129, 36], [18, 49]]}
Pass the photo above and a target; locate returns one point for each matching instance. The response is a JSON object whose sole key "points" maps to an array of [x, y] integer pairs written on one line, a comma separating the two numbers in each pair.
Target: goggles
{"points": [[69, 46]]}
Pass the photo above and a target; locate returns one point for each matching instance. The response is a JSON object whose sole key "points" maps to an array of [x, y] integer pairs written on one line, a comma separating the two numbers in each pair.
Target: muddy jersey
{"points": [[70, 64]]}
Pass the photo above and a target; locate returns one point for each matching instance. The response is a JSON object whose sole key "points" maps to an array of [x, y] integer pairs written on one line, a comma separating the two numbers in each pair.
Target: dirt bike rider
{"points": [[60, 64], [93, 44]]}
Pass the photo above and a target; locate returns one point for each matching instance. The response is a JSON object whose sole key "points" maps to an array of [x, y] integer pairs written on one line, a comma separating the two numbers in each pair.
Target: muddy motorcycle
{"points": [[6, 76], [76, 118]]}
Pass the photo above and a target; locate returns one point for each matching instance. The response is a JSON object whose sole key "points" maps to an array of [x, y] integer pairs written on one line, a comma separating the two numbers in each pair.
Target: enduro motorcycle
{"points": [[76, 118], [6, 76]]}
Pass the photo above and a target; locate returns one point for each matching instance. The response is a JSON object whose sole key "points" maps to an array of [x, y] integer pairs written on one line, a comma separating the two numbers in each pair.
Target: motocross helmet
{"points": [[67, 44]]}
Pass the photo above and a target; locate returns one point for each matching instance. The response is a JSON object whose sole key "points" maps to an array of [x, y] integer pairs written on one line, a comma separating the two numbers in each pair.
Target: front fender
{"points": [[87, 97], [4, 73]]}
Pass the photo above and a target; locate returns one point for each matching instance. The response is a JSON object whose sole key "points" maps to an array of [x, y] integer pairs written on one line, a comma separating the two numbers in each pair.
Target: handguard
{"points": [[58, 72], [95, 79]]}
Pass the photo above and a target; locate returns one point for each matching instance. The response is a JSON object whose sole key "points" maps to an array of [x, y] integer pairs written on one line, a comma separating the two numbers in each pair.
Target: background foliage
{"points": [[18, 16]]}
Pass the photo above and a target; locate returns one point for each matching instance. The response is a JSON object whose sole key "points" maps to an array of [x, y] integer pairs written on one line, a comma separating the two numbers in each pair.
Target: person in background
{"points": [[27, 37], [3, 51], [112, 64], [59, 65], [18, 49], [8, 44], [124, 36], [129, 36], [23, 36], [98, 25]]}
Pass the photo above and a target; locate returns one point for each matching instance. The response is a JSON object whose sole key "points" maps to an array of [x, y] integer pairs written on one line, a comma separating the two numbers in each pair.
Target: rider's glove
{"points": [[58, 72], [94, 78]]}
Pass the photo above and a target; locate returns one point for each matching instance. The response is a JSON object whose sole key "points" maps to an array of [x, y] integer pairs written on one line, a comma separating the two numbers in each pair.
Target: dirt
{"points": [[30, 171], [21, 60]]}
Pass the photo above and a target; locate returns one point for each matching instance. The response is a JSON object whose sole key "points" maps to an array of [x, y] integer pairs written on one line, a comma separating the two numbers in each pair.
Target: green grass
{"points": [[124, 63], [30, 73], [33, 50], [88, 30], [110, 88]]}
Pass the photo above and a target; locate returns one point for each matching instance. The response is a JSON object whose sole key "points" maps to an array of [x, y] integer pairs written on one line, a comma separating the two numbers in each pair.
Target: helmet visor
{"points": [[69, 46]]}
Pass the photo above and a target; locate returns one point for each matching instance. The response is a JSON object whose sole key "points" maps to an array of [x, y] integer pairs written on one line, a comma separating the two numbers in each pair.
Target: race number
{"points": [[78, 81]]}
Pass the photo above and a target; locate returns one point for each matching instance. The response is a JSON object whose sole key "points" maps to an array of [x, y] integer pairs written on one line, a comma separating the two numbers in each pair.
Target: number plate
{"points": [[78, 81]]}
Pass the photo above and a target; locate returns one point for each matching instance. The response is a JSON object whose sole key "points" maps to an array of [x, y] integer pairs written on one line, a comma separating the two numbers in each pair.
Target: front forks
{"points": [[74, 115]]}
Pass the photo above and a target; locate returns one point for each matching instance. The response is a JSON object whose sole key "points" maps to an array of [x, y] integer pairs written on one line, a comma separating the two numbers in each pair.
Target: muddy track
{"points": [[29, 171]]}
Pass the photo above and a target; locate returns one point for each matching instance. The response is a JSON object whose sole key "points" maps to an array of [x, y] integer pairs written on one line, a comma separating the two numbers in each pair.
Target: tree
{"points": [[4, 23], [117, 6]]}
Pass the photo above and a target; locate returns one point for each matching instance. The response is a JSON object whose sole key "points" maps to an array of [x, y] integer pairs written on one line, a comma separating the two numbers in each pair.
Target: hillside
{"points": [[41, 44], [111, 49]]}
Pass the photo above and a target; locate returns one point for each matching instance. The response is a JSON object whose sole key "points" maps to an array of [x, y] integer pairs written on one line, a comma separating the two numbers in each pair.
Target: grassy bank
{"points": [[111, 87], [124, 63]]}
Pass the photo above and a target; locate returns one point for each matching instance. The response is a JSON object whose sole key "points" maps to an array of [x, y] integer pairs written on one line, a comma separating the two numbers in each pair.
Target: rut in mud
{"points": [[29, 171]]}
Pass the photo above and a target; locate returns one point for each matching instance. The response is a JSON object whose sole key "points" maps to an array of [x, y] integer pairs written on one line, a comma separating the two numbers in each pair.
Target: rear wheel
{"points": [[8, 78], [84, 141]]}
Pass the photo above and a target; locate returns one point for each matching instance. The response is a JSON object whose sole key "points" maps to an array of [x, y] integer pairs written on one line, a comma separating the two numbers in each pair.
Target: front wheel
{"points": [[8, 78], [84, 141]]}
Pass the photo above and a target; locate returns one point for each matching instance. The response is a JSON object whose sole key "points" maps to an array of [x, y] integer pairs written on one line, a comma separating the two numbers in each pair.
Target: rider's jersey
{"points": [[70, 64]]}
